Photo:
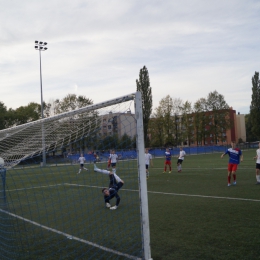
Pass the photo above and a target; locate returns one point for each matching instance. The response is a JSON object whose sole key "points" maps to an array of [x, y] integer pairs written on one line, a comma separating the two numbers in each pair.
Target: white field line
{"points": [[37, 187], [153, 192], [173, 194], [70, 236]]}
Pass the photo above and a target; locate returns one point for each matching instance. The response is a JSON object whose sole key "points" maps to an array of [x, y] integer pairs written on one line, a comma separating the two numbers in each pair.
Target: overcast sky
{"points": [[97, 48]]}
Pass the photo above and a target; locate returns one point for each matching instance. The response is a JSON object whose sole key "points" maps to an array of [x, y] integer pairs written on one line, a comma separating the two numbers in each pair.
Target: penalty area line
{"points": [[70, 236]]}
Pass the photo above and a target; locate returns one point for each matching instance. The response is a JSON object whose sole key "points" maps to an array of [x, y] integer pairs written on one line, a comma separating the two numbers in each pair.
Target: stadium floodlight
{"points": [[39, 46]]}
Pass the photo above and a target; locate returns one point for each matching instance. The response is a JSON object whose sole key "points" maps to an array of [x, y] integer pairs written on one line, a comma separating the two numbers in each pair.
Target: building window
{"points": [[109, 126]]}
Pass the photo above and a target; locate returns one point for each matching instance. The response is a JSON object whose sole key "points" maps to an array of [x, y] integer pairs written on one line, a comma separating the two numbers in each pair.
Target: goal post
{"points": [[142, 176], [57, 210]]}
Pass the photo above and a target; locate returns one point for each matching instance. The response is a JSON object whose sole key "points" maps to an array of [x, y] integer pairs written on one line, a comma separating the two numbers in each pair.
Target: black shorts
{"points": [[81, 165], [257, 166], [179, 161], [113, 164], [146, 166]]}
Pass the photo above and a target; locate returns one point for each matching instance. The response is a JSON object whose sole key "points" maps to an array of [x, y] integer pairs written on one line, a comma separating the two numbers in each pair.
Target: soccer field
{"points": [[194, 215], [60, 214]]}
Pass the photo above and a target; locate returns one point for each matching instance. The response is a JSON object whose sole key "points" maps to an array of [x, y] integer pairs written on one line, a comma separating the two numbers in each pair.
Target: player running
{"points": [[81, 160], [168, 157], [115, 184], [180, 159], [235, 156]]}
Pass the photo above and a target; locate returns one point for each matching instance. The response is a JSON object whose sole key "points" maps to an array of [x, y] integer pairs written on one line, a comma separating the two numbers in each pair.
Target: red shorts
{"points": [[232, 167], [168, 163], [109, 163]]}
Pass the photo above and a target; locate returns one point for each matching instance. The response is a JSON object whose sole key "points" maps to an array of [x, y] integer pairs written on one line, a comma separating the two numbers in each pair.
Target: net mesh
{"points": [[58, 211]]}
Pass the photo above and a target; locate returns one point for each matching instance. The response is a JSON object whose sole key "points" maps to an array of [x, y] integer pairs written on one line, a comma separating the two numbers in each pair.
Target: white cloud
{"points": [[96, 49]]}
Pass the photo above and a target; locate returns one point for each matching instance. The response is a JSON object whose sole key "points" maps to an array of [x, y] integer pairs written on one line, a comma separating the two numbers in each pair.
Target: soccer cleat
{"points": [[108, 205], [229, 185], [234, 183], [115, 207], [95, 167], [86, 169], [163, 172], [170, 172]]}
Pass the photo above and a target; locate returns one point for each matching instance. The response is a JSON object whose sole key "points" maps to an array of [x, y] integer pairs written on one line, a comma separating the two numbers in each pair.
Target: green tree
{"points": [[125, 142], [255, 106], [201, 120], [250, 137], [156, 131], [71, 102], [143, 85], [24, 114], [187, 122], [219, 115], [3, 115], [177, 121]]}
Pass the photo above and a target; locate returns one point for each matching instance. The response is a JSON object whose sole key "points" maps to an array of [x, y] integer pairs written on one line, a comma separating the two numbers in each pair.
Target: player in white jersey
{"points": [[81, 160], [180, 159], [257, 166], [148, 159], [113, 157]]}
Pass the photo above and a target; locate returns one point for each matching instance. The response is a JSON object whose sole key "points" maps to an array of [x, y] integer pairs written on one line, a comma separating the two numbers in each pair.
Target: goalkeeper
{"points": [[114, 185]]}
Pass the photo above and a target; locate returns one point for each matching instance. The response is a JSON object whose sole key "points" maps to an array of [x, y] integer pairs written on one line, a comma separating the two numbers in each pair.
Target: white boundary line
{"points": [[174, 194], [71, 237], [153, 192], [38, 187]]}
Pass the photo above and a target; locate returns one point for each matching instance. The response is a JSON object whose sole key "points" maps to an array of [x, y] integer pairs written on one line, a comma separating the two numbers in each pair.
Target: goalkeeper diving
{"points": [[115, 184]]}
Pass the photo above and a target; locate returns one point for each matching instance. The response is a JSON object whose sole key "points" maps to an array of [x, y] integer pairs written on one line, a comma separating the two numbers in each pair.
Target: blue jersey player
{"points": [[115, 183], [235, 156], [168, 158]]}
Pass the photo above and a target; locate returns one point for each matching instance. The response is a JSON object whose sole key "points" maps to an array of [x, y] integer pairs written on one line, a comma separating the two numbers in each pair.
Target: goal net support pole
{"points": [[142, 177]]}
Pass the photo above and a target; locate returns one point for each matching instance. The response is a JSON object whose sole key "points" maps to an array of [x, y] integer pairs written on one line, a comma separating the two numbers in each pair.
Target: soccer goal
{"points": [[51, 201]]}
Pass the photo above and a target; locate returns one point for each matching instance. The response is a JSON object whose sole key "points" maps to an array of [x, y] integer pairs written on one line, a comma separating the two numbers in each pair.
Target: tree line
{"points": [[173, 122]]}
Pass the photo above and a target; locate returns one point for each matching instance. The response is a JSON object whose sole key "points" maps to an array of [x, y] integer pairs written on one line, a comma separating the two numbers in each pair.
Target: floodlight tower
{"points": [[41, 46]]}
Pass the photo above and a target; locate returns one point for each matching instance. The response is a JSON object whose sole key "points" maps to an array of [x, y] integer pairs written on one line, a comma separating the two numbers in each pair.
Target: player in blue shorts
{"points": [[235, 156]]}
